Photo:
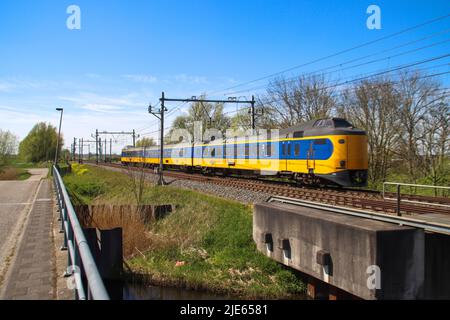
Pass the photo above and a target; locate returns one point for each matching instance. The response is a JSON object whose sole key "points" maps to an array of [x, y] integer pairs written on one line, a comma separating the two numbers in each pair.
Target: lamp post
{"points": [[59, 135]]}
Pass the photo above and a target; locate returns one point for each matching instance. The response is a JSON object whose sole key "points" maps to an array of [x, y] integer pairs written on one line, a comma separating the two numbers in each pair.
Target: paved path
{"points": [[16, 198], [31, 273]]}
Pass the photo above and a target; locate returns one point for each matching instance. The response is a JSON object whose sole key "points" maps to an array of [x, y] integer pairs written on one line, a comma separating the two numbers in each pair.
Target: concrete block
{"points": [[344, 251]]}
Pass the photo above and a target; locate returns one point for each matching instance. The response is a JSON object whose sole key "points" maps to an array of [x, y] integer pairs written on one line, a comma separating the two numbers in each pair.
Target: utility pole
{"points": [[110, 150], [160, 115], [59, 135], [96, 146], [253, 113], [82, 150], [83, 143], [74, 150], [98, 134]]}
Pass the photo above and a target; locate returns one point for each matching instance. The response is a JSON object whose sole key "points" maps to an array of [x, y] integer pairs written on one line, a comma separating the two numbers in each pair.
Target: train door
{"points": [[310, 158], [284, 155]]}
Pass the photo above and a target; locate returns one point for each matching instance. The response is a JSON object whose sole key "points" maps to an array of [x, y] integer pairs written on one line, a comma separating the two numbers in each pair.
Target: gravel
{"points": [[236, 194]]}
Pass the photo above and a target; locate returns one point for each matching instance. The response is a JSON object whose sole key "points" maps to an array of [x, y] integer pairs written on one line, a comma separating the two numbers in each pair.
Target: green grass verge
{"points": [[205, 244]]}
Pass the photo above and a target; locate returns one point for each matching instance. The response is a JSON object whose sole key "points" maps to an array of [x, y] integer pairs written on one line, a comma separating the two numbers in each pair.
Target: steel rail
{"points": [[403, 221], [79, 254]]}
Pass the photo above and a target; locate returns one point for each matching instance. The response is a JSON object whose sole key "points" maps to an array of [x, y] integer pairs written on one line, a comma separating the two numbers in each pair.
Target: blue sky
{"points": [[127, 52]]}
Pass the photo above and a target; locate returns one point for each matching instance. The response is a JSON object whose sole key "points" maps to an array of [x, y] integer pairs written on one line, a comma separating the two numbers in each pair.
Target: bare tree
{"points": [[297, 100], [418, 96], [211, 115], [265, 118], [136, 177], [372, 105], [435, 142]]}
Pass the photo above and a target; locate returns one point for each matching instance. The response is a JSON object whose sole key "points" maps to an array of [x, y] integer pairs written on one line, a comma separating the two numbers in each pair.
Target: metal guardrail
{"points": [[399, 196], [403, 221], [81, 263]]}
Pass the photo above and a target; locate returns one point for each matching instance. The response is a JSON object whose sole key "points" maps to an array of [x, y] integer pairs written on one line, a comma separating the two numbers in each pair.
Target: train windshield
{"points": [[332, 123], [342, 123]]}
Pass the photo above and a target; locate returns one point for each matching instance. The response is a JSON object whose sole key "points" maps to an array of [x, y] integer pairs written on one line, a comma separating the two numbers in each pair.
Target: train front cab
{"points": [[331, 149], [349, 161]]}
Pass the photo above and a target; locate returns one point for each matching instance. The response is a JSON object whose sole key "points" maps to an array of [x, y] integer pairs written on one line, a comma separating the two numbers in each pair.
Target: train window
{"points": [[298, 134], [235, 149], [288, 149], [180, 154], [320, 141], [213, 152], [283, 152], [342, 123], [247, 150], [297, 149]]}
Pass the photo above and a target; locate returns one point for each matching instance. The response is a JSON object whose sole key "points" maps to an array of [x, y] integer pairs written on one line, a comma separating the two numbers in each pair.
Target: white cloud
{"points": [[184, 78], [93, 75], [101, 107], [6, 87], [87, 100], [141, 78]]}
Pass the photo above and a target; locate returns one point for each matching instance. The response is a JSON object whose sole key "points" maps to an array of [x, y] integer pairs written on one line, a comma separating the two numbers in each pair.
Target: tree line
{"points": [[38, 146]]}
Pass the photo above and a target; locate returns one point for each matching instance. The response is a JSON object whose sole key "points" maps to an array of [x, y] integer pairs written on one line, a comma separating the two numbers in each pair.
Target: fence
{"points": [[81, 264], [399, 196]]}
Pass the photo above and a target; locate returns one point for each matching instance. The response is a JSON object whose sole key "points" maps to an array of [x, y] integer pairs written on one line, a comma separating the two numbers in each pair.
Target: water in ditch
{"points": [[141, 291]]}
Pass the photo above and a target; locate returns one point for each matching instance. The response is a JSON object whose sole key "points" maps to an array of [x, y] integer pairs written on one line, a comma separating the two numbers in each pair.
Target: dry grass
{"points": [[10, 173], [129, 218]]}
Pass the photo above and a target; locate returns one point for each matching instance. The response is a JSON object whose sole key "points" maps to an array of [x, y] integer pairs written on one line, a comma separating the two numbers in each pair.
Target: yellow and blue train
{"points": [[320, 152]]}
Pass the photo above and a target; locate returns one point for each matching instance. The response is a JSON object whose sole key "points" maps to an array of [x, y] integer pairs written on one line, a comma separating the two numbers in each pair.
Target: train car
{"points": [[324, 151]]}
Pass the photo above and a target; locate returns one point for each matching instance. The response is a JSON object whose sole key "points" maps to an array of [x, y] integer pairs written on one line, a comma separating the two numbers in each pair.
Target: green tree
{"points": [[40, 143], [209, 114], [8, 144], [146, 142]]}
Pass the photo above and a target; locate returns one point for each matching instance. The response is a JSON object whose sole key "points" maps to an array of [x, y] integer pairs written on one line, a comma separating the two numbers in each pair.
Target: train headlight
{"points": [[342, 163]]}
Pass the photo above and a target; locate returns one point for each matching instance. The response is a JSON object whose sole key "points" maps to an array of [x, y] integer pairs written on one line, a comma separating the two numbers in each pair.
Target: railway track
{"points": [[363, 199]]}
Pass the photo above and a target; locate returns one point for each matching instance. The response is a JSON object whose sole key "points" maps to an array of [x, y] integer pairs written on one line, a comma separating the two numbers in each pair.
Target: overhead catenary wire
{"points": [[365, 44], [294, 78]]}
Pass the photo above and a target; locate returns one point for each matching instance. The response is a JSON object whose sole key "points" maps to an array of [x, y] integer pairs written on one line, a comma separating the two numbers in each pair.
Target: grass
{"points": [[399, 174], [205, 244]]}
